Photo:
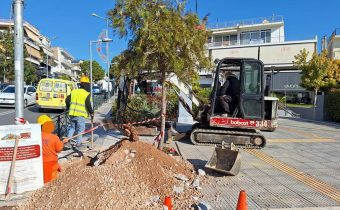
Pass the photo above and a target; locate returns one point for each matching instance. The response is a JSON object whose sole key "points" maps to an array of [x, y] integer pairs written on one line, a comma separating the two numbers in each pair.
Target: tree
{"points": [[162, 38], [29, 72], [65, 77], [316, 73], [7, 60], [97, 70], [7, 56]]}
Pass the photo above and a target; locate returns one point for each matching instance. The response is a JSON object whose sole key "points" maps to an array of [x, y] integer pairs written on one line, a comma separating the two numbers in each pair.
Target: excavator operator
{"points": [[228, 94]]}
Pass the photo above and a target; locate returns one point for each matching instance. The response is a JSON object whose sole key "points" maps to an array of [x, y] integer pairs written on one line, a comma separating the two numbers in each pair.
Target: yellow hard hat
{"points": [[43, 118], [85, 79]]}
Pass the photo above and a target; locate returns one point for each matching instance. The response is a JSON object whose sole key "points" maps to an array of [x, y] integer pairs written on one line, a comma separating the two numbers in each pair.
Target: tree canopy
{"points": [[162, 37], [7, 60], [97, 70], [318, 73]]}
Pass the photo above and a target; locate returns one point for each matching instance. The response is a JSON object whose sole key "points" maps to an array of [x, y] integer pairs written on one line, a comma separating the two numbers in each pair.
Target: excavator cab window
{"points": [[252, 93]]}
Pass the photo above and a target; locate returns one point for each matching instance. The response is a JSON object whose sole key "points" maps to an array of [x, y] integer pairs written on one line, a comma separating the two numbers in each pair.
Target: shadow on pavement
{"points": [[35, 109]]}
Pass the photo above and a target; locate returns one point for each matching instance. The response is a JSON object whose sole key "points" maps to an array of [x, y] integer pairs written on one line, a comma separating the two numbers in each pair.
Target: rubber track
{"points": [[227, 132]]}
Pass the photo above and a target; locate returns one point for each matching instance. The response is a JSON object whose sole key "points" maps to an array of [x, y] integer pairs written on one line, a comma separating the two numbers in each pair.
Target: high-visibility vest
{"points": [[77, 103]]}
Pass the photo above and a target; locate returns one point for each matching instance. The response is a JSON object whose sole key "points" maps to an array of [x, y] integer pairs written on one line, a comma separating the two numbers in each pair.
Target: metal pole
{"points": [[47, 66], [19, 57], [271, 82], [91, 82], [196, 7], [107, 57]]}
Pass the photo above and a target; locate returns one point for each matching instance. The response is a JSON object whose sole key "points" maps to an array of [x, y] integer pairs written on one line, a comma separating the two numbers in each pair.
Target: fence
{"points": [[62, 120]]}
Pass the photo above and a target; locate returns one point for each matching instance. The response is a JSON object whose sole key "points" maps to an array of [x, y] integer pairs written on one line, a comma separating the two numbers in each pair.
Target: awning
{"points": [[32, 36], [33, 52]]}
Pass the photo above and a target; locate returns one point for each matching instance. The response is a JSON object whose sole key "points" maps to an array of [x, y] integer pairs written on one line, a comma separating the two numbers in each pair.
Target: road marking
{"points": [[300, 132], [7, 112], [13, 110], [300, 140], [307, 179]]}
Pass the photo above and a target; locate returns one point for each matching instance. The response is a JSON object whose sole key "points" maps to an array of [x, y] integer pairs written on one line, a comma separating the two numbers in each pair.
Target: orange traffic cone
{"points": [[242, 201], [167, 202]]}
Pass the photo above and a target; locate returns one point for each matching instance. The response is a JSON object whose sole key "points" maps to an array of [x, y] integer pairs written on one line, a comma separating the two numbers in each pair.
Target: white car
{"points": [[7, 96]]}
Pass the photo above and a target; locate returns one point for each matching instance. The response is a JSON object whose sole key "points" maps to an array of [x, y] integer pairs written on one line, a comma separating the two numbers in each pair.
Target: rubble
{"points": [[201, 172], [181, 177], [119, 181], [196, 183]]}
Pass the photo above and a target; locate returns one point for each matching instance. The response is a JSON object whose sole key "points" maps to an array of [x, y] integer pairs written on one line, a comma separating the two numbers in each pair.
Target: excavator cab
{"points": [[245, 90]]}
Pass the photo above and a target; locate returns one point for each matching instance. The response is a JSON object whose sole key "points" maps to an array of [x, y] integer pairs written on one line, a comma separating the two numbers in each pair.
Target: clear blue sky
{"points": [[71, 22]]}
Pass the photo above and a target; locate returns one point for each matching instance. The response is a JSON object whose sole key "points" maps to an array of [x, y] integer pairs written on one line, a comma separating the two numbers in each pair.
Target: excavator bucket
{"points": [[225, 160]]}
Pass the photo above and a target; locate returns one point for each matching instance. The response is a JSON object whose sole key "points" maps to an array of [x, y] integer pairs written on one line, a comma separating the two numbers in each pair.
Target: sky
{"points": [[70, 21]]}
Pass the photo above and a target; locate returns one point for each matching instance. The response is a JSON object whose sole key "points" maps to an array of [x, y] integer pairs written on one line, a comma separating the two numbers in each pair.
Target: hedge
{"points": [[333, 105]]}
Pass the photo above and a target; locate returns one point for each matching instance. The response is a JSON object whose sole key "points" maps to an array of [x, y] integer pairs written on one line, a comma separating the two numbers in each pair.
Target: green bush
{"points": [[143, 106], [333, 105]]}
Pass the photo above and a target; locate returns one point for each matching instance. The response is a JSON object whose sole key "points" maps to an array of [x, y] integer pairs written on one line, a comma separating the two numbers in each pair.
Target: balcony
{"points": [[336, 32], [247, 22]]}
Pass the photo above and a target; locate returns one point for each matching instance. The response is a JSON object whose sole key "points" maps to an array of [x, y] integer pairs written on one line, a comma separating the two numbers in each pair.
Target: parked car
{"points": [[3, 86], [52, 93], [7, 96], [97, 90]]}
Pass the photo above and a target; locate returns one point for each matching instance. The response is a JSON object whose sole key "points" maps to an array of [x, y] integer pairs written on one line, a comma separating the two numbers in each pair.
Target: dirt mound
{"points": [[136, 176]]}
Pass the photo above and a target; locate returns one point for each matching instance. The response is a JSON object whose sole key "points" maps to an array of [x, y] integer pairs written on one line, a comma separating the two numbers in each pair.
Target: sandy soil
{"points": [[131, 178]]}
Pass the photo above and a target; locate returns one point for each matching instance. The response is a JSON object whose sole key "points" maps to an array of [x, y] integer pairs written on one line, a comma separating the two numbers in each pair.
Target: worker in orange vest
{"points": [[51, 145]]}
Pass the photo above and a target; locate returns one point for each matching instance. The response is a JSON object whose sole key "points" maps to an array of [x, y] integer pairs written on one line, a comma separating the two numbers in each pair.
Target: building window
{"points": [[218, 40], [233, 39], [255, 37]]}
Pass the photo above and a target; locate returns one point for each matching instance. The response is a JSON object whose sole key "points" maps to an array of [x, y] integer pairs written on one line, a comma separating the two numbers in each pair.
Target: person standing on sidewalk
{"points": [[79, 105]]}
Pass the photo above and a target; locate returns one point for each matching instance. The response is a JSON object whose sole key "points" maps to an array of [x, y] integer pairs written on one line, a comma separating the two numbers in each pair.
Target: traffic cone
{"points": [[167, 203], [242, 201]]}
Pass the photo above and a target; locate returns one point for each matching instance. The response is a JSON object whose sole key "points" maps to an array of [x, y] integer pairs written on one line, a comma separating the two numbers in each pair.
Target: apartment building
{"points": [[31, 40], [263, 39], [64, 62], [76, 69], [51, 62], [334, 45]]}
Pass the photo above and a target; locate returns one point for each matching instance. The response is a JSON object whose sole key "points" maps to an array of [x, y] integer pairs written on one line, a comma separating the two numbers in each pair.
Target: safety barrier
{"points": [[62, 120]]}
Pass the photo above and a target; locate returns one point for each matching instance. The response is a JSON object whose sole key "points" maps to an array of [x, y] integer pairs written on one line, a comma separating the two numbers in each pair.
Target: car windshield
{"points": [[11, 89], [95, 87]]}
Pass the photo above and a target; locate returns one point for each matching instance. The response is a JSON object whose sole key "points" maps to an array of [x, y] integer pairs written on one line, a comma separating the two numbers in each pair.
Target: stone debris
{"points": [[154, 199], [204, 206], [178, 190], [201, 172], [196, 183], [119, 181], [181, 177]]}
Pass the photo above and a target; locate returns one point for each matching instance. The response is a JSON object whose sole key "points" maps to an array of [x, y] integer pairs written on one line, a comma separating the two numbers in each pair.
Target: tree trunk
{"points": [[314, 103], [161, 141]]}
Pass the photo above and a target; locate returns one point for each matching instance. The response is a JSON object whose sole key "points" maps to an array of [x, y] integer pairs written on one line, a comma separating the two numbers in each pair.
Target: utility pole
{"points": [[18, 6], [107, 58], [196, 7]]}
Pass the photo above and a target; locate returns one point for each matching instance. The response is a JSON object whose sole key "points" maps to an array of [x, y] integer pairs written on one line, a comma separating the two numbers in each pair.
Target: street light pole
{"points": [[91, 78], [19, 57], [91, 81], [107, 50], [107, 58]]}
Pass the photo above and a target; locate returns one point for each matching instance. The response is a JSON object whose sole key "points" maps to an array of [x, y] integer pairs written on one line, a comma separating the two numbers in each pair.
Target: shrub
{"points": [[333, 105]]}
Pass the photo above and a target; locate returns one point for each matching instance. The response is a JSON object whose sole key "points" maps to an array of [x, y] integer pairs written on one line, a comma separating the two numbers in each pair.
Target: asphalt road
{"points": [[31, 113]]}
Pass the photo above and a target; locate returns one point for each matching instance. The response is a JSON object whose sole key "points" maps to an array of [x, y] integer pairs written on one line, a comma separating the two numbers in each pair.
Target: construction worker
{"points": [[79, 105], [51, 145]]}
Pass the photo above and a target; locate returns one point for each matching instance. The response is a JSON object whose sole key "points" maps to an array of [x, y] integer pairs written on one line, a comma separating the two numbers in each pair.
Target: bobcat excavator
{"points": [[236, 125]]}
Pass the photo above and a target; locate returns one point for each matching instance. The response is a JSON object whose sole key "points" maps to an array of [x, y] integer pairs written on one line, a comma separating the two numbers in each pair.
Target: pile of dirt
{"points": [[136, 176]]}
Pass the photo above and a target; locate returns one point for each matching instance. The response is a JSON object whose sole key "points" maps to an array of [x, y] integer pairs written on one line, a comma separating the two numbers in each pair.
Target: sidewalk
{"points": [[102, 139]]}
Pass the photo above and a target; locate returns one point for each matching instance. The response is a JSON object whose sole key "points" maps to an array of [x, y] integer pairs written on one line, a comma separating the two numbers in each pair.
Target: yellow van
{"points": [[51, 93]]}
